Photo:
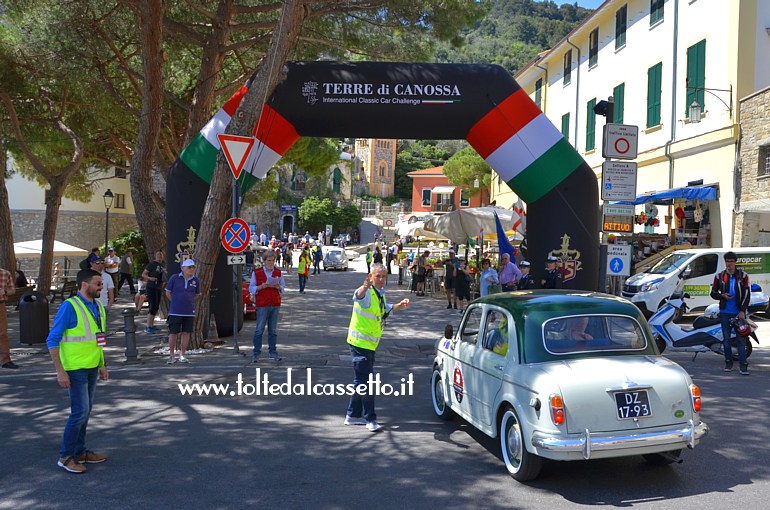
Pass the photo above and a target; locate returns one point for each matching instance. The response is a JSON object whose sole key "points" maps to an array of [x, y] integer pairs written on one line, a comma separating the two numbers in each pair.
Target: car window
{"points": [[704, 265], [592, 333], [472, 325], [496, 332]]}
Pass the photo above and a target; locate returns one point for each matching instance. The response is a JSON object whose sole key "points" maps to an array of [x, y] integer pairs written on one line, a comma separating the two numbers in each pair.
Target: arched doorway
{"points": [[479, 103]]}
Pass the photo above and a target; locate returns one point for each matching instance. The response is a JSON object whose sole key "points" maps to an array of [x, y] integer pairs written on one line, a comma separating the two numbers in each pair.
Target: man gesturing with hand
{"points": [[370, 309]]}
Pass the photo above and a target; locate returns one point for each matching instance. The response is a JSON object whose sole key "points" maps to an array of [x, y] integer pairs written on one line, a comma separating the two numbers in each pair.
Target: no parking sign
{"points": [[235, 235]]}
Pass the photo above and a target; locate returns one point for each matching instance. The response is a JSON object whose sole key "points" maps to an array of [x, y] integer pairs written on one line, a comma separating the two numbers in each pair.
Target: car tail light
{"points": [[557, 409], [695, 394]]}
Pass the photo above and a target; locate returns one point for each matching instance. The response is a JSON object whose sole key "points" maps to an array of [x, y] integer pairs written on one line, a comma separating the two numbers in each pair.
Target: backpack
{"points": [[84, 264]]}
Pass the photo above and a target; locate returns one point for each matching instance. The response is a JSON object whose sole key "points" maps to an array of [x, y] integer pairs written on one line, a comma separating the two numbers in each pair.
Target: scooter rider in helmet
{"points": [[731, 287]]}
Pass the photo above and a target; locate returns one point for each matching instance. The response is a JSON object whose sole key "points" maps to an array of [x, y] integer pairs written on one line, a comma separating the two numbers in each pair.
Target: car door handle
{"points": [[500, 367]]}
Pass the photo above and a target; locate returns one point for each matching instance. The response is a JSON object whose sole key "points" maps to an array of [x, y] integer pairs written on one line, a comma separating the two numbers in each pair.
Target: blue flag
{"points": [[502, 241]]}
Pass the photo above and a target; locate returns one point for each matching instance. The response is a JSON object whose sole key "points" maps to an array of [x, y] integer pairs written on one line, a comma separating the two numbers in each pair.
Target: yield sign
{"points": [[236, 149], [235, 235]]}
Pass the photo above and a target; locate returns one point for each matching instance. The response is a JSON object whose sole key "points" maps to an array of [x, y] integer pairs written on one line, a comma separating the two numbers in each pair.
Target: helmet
{"points": [[712, 311], [741, 327]]}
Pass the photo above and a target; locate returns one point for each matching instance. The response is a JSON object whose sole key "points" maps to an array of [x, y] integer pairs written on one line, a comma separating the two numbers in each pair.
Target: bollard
{"points": [[129, 328]]}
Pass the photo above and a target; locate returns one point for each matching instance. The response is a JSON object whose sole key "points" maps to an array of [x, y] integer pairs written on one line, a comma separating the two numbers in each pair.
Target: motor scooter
{"points": [[705, 335]]}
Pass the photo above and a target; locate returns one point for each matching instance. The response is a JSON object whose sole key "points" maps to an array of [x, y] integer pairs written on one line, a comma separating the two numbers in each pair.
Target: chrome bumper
{"points": [[586, 443]]}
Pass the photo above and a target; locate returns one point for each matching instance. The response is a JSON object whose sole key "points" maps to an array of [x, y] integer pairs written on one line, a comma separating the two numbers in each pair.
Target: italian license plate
{"points": [[632, 404]]}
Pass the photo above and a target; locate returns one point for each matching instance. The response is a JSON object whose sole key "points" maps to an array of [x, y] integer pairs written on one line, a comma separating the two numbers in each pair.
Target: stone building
{"points": [[752, 217], [377, 159]]}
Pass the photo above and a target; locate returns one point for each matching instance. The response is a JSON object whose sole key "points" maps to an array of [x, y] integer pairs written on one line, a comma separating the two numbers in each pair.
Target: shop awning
{"points": [[688, 193], [443, 190]]}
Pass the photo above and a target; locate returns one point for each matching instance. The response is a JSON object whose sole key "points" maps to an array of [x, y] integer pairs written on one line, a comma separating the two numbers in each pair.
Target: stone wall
{"points": [[84, 230], [755, 131]]}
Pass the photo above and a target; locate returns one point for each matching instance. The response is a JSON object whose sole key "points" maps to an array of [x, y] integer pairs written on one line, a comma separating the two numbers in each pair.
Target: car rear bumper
{"points": [[598, 445]]}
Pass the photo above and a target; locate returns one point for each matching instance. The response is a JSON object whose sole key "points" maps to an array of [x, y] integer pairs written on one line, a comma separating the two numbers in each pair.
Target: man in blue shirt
{"points": [[731, 287], [181, 290]]}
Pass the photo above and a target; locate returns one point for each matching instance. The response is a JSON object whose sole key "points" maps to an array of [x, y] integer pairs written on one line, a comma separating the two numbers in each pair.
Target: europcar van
{"points": [[698, 266]]}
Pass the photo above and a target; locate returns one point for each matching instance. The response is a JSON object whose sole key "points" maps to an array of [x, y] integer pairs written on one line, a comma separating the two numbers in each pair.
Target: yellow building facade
{"points": [[656, 58]]}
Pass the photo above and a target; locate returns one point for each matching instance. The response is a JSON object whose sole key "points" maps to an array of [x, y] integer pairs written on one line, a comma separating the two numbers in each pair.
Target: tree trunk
{"points": [[219, 201], [150, 210], [53, 198], [211, 64], [7, 257]]}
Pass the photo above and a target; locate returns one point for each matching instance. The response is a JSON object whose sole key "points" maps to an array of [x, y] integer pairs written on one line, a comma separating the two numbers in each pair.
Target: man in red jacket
{"points": [[731, 287], [266, 287]]}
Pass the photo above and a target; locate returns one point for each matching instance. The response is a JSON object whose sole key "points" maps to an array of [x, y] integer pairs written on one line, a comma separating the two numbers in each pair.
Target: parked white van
{"points": [[648, 290]]}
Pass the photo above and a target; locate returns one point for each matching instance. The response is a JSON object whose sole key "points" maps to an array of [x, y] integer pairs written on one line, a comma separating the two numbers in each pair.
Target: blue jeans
{"points": [[266, 315], [302, 282], [363, 366], [82, 386], [727, 331]]}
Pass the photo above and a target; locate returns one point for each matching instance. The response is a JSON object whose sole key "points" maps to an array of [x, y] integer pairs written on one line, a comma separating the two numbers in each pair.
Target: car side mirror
{"points": [[686, 295], [448, 331]]}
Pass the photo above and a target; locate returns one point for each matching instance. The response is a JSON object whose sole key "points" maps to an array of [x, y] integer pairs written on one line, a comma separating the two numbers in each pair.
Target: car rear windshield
{"points": [[593, 333]]}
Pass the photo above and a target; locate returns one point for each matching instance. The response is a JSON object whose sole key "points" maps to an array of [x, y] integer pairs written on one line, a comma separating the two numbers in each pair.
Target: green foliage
{"points": [[513, 32], [465, 167], [315, 213], [131, 240], [313, 155]]}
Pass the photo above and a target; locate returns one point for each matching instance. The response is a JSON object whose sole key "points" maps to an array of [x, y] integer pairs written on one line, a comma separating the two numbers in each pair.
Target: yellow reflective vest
{"points": [[365, 329], [78, 348]]}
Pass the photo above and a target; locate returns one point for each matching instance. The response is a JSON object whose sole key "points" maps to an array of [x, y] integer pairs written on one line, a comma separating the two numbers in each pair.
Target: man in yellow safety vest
{"points": [[76, 344], [366, 325]]}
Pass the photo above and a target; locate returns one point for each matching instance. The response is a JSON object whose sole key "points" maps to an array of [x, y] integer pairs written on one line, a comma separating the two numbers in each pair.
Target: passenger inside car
{"points": [[497, 333]]}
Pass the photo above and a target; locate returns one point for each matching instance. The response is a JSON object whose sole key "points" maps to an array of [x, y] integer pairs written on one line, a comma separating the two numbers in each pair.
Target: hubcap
{"points": [[438, 394], [513, 442]]}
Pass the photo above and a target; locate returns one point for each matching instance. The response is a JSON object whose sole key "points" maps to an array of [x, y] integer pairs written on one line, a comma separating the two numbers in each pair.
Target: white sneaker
{"points": [[349, 420], [373, 426]]}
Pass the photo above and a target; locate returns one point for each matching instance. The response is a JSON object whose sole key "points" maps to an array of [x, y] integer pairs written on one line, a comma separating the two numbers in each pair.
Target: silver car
{"points": [[565, 376], [335, 258]]}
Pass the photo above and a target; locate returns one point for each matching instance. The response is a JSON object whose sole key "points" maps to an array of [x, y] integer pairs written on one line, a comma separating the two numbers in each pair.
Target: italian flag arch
{"points": [[482, 104]]}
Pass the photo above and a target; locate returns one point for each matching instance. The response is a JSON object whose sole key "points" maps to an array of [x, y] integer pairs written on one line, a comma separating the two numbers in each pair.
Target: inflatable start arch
{"points": [[482, 104]]}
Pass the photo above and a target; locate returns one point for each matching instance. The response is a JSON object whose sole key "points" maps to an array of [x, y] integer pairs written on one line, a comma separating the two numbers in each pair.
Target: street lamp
{"points": [[696, 109], [108, 198]]}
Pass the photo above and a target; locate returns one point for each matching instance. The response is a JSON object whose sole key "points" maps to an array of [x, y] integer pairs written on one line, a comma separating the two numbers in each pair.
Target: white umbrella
{"points": [[31, 249], [463, 223]]}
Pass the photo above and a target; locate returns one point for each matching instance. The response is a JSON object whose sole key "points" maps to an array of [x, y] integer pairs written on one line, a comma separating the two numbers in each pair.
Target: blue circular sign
{"points": [[616, 265]]}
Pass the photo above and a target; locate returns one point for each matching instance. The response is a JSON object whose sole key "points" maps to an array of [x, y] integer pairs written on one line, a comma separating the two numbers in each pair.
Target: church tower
{"points": [[377, 160]]}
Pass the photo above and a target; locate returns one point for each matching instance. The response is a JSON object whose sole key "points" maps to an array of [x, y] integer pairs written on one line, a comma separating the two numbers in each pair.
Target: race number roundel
{"points": [[235, 235], [457, 382]]}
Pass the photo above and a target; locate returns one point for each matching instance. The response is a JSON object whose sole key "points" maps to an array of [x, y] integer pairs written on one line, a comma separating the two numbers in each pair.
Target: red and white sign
{"points": [[237, 150], [235, 235], [620, 141]]}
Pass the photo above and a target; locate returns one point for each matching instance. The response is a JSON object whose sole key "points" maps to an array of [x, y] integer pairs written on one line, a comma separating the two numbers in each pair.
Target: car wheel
{"points": [[521, 464], [663, 459], [440, 405], [660, 343], [344, 268]]}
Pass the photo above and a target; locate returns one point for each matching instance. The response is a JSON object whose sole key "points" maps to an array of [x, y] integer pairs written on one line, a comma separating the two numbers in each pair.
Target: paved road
{"points": [[293, 452]]}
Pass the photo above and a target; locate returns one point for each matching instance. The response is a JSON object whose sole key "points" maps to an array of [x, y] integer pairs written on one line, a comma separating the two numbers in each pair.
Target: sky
{"points": [[588, 4]]}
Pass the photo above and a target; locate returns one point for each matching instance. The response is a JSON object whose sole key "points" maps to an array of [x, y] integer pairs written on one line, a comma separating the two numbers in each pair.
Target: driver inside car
{"points": [[497, 333]]}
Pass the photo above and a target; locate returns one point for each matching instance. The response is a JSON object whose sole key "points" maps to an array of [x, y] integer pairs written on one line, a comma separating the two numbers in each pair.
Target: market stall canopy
{"points": [[463, 223], [32, 249], [663, 197]]}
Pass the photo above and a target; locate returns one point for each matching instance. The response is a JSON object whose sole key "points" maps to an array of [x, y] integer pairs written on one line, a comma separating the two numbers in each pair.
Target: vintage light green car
{"points": [[564, 375]]}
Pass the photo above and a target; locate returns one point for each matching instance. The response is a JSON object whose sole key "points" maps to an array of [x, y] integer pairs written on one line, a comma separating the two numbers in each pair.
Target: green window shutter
{"points": [[336, 180], [593, 48], [656, 11], [590, 125], [654, 75], [619, 94], [539, 93], [567, 67], [696, 75], [621, 23], [565, 125]]}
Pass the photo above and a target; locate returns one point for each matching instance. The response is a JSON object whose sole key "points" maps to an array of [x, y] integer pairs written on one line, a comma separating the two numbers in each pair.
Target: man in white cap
{"points": [[525, 282], [181, 290], [553, 277]]}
